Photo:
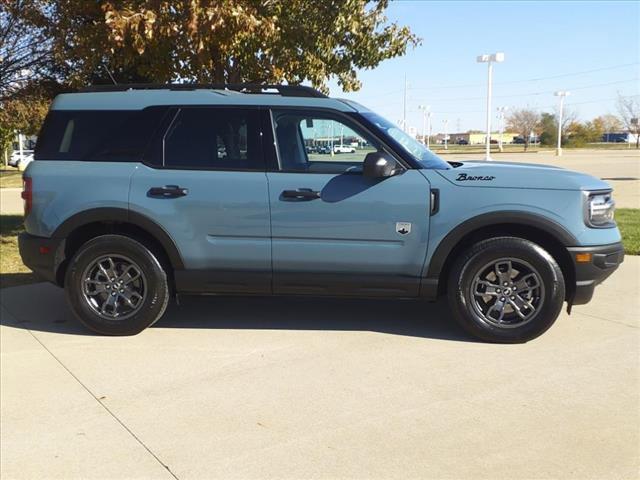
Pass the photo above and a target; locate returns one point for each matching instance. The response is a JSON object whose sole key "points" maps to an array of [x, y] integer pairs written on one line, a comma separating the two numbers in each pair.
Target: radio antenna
{"points": [[109, 73]]}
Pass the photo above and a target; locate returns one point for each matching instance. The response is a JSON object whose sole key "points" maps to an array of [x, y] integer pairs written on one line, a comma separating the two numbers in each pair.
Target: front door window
{"points": [[316, 143]]}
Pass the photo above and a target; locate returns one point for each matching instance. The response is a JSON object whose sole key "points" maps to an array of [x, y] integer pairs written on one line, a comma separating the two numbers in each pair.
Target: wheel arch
{"points": [[82, 227], [550, 235]]}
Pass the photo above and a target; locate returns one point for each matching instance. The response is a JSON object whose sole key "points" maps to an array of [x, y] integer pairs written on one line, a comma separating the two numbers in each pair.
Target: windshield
{"points": [[413, 147]]}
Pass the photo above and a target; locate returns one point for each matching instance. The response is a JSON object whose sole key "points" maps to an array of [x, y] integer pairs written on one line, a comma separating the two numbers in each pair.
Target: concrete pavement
{"points": [[620, 168], [319, 388], [11, 201]]}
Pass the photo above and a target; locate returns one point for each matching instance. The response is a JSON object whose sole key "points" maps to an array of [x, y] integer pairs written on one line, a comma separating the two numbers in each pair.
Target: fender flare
{"points": [[526, 219], [122, 215]]}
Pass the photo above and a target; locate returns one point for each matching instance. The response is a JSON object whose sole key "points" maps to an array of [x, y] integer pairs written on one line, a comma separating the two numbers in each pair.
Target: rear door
{"points": [[335, 231], [204, 182]]}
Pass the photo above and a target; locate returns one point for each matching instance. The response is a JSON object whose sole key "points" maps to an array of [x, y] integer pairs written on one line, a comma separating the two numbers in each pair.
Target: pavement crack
{"points": [[113, 415], [607, 320]]}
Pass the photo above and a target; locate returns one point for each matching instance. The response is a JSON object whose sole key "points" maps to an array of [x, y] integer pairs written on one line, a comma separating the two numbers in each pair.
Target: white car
{"points": [[26, 160], [343, 149], [15, 158]]}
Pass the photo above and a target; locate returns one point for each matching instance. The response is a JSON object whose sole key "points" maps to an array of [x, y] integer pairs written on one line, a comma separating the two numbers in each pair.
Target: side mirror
{"points": [[379, 165]]}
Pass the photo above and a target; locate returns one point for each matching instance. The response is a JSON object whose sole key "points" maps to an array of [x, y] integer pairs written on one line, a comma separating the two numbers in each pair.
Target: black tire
{"points": [[154, 286], [472, 301]]}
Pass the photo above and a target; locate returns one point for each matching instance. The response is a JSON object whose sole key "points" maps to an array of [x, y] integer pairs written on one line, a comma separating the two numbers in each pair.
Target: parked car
{"points": [[24, 163], [138, 206], [15, 157], [324, 150], [462, 141], [343, 149]]}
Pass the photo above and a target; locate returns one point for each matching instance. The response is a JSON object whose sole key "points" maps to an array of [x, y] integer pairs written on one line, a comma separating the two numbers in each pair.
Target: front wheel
{"points": [[506, 290], [116, 286]]}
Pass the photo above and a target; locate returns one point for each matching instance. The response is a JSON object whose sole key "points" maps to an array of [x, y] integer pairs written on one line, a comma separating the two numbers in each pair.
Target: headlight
{"points": [[599, 209]]}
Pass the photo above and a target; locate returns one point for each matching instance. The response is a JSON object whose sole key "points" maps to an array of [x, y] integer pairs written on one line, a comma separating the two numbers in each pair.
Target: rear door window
{"points": [[213, 139]]}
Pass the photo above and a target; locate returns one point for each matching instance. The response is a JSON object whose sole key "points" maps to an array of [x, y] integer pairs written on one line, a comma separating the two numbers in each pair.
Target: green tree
{"points": [[225, 40], [23, 113], [548, 129], [579, 134]]}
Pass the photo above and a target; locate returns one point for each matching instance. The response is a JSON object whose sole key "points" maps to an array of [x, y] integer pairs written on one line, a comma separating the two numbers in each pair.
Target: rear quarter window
{"points": [[97, 135]]}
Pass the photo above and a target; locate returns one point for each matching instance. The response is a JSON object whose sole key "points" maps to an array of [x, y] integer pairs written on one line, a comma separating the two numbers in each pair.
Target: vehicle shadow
{"points": [[42, 307]]}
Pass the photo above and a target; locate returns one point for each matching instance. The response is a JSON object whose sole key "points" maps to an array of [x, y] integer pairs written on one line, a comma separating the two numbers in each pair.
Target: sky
{"points": [[591, 49]]}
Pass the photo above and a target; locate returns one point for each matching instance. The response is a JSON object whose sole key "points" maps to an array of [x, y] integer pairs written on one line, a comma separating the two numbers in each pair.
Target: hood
{"points": [[519, 175]]}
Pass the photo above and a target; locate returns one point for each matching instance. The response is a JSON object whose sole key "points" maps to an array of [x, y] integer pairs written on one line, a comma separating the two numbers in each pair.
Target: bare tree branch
{"points": [[629, 110], [524, 122], [24, 48]]}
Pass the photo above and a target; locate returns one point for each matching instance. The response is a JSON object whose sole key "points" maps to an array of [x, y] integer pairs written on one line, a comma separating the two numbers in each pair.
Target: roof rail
{"points": [[283, 90]]}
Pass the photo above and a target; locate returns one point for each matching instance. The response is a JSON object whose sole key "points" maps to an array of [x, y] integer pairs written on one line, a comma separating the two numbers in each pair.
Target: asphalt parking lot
{"points": [[319, 388]]}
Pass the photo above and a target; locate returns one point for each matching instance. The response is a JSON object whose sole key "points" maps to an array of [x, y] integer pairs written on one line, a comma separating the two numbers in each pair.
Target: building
{"points": [[467, 138]]}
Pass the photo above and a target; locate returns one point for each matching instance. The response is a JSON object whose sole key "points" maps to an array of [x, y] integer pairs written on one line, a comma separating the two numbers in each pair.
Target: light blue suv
{"points": [[141, 193]]}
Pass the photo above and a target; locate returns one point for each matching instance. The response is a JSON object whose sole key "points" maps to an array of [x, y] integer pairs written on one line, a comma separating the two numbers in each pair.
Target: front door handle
{"points": [[301, 194], [168, 191]]}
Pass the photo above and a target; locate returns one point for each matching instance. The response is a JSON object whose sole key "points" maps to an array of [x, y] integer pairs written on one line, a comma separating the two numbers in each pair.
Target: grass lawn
{"points": [[453, 148], [10, 178], [606, 146], [517, 148], [628, 220], [13, 272]]}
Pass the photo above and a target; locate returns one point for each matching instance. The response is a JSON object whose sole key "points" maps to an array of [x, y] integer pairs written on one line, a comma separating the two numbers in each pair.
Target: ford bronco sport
{"points": [[140, 193]]}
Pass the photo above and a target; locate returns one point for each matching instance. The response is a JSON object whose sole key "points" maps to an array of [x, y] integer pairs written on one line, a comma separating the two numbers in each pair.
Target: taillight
{"points": [[27, 194]]}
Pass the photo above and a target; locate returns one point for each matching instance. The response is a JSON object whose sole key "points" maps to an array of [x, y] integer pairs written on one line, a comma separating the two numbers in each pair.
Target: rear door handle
{"points": [[168, 191], [301, 194]]}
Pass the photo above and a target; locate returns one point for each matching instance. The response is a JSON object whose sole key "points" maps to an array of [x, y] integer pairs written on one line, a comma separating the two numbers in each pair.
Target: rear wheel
{"points": [[116, 286], [506, 289]]}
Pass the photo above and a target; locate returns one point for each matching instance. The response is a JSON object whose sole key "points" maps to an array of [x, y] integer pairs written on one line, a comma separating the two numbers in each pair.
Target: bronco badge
{"points": [[463, 177]]}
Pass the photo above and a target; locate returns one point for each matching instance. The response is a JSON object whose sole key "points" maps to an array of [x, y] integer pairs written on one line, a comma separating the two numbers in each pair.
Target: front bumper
{"points": [[605, 259], [42, 255]]}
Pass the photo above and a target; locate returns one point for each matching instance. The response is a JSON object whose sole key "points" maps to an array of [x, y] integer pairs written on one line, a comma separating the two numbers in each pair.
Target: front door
{"points": [[205, 184], [335, 231]]}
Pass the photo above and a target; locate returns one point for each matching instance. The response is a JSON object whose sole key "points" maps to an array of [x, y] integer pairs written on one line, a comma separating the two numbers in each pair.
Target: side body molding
{"points": [[120, 215]]}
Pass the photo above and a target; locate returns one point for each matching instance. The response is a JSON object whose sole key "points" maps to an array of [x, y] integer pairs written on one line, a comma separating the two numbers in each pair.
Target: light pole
{"points": [[331, 139], [501, 111], [425, 128], [489, 59], [634, 123], [562, 94], [404, 105], [446, 124], [20, 146]]}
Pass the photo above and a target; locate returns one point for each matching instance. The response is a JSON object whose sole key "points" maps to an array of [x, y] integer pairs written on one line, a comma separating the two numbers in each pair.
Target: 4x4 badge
{"points": [[403, 228]]}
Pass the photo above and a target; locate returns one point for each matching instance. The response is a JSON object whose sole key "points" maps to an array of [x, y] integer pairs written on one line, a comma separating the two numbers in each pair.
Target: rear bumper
{"points": [[605, 259], [42, 255]]}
